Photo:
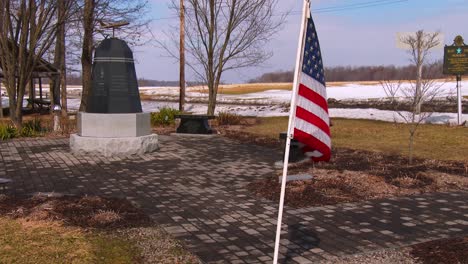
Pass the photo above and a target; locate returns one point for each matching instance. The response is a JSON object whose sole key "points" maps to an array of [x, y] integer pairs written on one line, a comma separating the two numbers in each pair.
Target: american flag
{"points": [[312, 122]]}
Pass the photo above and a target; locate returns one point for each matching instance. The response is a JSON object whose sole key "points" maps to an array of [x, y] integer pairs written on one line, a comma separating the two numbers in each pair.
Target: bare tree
{"points": [[416, 94], [223, 35], [420, 44], [27, 30]]}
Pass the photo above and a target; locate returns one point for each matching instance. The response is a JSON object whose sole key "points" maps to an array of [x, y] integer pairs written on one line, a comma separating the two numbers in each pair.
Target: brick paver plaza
{"points": [[195, 188]]}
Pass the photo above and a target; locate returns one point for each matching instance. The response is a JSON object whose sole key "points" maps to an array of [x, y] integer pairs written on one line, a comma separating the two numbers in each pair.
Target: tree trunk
{"points": [[63, 83], [62, 10], [1, 103], [411, 147], [87, 53], [17, 115], [419, 68], [210, 58], [182, 57], [418, 89], [212, 99], [55, 83], [59, 55]]}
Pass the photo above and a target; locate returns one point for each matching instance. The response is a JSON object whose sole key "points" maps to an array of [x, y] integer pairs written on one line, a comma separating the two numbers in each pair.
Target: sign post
{"points": [[456, 63], [459, 99]]}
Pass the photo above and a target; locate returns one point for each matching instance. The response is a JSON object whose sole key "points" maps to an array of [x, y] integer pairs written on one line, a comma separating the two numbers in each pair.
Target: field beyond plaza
{"points": [[438, 142]]}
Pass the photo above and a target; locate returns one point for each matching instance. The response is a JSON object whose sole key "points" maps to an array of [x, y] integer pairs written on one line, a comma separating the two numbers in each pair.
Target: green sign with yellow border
{"points": [[456, 60]]}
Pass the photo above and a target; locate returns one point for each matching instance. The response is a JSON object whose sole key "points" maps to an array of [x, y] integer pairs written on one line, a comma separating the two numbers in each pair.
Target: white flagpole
{"points": [[292, 114]]}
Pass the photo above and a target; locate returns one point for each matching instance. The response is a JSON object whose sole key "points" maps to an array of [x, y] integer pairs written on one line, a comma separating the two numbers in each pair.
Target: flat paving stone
{"points": [[195, 188]]}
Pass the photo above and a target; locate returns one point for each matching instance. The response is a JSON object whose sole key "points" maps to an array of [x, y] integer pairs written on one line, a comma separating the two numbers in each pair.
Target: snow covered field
{"points": [[275, 102], [342, 92]]}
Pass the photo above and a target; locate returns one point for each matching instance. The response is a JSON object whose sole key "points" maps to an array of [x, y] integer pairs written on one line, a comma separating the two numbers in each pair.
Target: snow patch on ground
{"points": [[275, 102]]}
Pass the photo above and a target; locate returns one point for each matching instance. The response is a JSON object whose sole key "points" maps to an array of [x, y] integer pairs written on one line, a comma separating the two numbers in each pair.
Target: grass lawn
{"points": [[48, 242], [253, 88], [432, 141]]}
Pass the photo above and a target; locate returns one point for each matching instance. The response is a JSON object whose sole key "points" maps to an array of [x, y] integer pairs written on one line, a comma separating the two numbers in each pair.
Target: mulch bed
{"points": [[164, 130], [85, 212], [356, 175], [453, 250], [249, 138]]}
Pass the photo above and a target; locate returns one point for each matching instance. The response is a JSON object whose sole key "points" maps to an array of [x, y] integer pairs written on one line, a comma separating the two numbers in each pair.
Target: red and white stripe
{"points": [[312, 122]]}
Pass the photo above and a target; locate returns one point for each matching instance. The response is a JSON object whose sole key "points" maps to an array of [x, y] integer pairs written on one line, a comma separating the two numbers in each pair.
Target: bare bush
{"points": [[105, 217], [423, 90]]}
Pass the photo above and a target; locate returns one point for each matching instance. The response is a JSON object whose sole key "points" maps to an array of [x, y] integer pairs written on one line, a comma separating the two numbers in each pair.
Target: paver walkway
{"points": [[196, 188]]}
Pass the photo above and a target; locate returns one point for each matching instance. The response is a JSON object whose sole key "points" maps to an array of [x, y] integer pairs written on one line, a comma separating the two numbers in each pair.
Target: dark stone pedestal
{"points": [[194, 124], [295, 150]]}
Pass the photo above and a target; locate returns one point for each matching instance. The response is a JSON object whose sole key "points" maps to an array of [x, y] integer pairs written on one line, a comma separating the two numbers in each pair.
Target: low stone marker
{"points": [[4, 182], [295, 150], [296, 177], [194, 124]]}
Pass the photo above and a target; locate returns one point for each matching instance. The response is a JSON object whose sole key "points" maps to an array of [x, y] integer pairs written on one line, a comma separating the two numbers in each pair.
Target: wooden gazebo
{"points": [[44, 69]]}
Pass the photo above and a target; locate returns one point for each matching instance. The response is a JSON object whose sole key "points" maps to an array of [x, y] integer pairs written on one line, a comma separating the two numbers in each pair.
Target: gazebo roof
{"points": [[42, 69]]}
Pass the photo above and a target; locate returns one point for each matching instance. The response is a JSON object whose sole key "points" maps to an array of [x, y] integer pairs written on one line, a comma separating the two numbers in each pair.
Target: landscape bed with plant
{"points": [[370, 160], [30, 128], [36, 125]]}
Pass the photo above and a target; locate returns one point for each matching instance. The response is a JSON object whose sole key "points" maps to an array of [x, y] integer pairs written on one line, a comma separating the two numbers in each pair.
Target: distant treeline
{"points": [[76, 80], [332, 74], [361, 73]]}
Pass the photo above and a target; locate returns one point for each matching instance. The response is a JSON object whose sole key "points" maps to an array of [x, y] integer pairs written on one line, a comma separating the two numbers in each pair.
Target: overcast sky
{"points": [[348, 35]]}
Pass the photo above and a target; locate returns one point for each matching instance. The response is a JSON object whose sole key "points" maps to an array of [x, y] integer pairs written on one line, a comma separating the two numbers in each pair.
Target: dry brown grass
{"points": [[27, 241], [339, 84], [436, 142], [236, 89]]}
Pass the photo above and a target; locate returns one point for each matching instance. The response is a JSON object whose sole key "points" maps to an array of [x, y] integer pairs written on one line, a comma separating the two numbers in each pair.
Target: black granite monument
{"points": [[114, 81], [113, 122]]}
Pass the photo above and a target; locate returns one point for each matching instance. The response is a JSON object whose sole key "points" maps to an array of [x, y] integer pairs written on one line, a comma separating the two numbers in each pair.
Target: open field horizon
{"points": [[272, 99]]}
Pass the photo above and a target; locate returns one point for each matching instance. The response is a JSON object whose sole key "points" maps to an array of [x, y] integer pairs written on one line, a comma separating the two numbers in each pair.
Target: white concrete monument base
{"points": [[125, 146], [114, 134]]}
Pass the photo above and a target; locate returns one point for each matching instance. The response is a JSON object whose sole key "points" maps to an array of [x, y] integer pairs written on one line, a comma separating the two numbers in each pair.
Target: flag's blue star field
{"points": [[312, 63]]}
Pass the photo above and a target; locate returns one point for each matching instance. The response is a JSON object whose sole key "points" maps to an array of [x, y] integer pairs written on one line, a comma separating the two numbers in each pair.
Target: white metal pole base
{"points": [[459, 94]]}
